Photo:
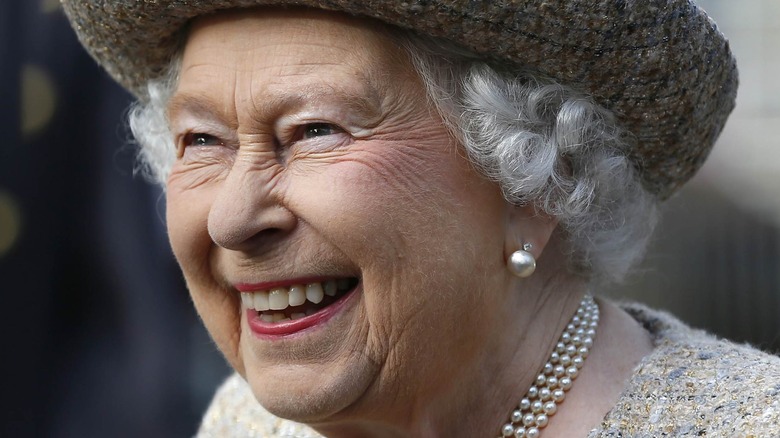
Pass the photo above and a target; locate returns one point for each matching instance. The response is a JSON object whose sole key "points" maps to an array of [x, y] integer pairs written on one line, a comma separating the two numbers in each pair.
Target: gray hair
{"points": [[543, 143]]}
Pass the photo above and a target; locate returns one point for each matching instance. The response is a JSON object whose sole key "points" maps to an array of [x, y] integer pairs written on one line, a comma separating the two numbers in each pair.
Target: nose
{"points": [[247, 213]]}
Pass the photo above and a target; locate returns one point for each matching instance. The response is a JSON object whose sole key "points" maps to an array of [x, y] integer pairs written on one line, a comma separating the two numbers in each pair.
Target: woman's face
{"points": [[310, 161]]}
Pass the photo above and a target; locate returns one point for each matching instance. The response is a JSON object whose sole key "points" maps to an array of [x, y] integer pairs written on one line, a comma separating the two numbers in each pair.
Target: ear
{"points": [[526, 224]]}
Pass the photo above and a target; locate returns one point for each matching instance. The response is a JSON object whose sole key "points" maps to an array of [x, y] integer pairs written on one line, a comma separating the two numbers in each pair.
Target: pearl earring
{"points": [[522, 263]]}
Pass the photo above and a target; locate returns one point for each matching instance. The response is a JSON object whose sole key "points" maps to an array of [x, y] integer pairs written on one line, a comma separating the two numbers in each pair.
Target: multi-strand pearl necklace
{"points": [[550, 386]]}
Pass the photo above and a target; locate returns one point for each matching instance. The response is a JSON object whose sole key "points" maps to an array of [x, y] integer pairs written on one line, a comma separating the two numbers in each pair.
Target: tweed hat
{"points": [[661, 66]]}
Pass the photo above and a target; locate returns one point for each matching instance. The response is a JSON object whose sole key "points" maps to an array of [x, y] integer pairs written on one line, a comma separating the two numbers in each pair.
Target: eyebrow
{"points": [[367, 103], [192, 104]]}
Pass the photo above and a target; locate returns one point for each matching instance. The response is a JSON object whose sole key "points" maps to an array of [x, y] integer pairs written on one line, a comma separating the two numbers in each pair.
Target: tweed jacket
{"points": [[691, 385]]}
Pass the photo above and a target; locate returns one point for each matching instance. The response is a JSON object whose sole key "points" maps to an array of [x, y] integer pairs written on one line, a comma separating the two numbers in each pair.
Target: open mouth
{"points": [[297, 301]]}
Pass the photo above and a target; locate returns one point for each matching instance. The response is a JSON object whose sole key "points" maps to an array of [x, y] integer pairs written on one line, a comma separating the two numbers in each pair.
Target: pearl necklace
{"points": [[550, 386]]}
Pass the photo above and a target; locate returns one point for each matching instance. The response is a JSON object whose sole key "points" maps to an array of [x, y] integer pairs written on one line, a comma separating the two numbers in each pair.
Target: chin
{"points": [[313, 375], [310, 393]]}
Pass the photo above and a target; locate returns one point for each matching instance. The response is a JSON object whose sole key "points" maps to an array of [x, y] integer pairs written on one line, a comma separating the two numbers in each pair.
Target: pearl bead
{"points": [[520, 432], [540, 380], [566, 337], [532, 432], [565, 360], [559, 370], [576, 340], [507, 430], [552, 382], [528, 420], [554, 357], [578, 362], [548, 368], [521, 263], [550, 408], [584, 352], [572, 372], [537, 406], [558, 395], [541, 421], [544, 394], [560, 347], [533, 392], [571, 350], [517, 416], [565, 383], [525, 404]]}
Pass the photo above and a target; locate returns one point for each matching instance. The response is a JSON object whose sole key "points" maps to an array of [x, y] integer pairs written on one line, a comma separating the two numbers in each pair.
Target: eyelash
{"points": [[190, 138], [321, 126], [301, 133], [308, 132]]}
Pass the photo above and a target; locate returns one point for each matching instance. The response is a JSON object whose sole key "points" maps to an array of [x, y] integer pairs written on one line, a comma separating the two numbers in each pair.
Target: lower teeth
{"points": [[281, 316]]}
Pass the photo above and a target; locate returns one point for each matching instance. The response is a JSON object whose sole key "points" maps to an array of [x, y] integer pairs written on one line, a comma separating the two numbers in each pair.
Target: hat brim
{"points": [[661, 66]]}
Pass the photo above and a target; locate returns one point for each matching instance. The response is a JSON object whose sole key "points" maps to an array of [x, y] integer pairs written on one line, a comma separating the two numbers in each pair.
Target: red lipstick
{"points": [[276, 330]]}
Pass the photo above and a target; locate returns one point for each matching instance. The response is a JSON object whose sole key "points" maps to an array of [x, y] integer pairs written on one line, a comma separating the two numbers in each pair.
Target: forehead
{"points": [[270, 47], [256, 28]]}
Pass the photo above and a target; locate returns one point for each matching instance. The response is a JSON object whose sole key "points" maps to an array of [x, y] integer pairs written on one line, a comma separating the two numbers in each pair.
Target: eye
{"points": [[319, 130], [200, 139]]}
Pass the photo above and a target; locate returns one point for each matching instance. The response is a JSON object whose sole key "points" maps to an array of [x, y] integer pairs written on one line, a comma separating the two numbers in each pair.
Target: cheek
{"points": [[377, 189], [187, 215], [408, 214]]}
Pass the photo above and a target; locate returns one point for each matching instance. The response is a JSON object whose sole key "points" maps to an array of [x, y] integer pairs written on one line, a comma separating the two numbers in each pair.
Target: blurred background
{"points": [[101, 339], [100, 336]]}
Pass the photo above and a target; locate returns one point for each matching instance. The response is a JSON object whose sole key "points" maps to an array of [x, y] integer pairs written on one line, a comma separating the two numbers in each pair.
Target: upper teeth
{"points": [[281, 297]]}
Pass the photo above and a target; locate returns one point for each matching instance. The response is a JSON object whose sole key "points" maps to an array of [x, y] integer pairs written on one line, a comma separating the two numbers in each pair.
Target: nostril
{"points": [[266, 238], [245, 232]]}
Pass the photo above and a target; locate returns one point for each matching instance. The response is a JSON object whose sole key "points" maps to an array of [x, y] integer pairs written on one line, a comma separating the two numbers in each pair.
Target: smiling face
{"points": [[310, 158]]}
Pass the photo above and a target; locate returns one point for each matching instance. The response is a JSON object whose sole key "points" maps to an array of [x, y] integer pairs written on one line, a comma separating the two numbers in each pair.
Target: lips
{"points": [[278, 309]]}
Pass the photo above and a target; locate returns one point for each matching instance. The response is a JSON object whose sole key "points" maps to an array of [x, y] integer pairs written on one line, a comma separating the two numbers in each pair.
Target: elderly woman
{"points": [[392, 216]]}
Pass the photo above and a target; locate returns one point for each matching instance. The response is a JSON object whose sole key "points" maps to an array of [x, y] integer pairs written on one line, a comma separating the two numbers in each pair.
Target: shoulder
{"points": [[234, 412], [694, 384]]}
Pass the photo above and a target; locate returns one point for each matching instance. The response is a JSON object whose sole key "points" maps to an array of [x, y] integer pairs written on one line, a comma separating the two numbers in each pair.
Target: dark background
{"points": [[99, 335], [100, 338]]}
